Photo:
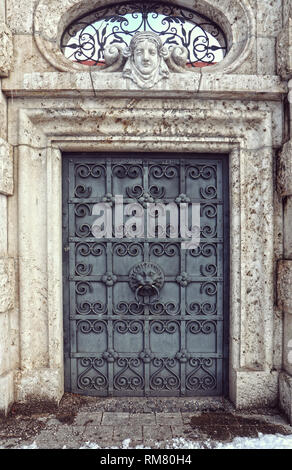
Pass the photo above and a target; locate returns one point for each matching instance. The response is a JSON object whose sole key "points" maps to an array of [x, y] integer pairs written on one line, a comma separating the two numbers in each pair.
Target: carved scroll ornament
{"points": [[146, 61]]}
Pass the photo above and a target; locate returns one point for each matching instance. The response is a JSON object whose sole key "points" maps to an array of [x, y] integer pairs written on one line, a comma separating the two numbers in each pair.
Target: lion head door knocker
{"points": [[146, 279]]}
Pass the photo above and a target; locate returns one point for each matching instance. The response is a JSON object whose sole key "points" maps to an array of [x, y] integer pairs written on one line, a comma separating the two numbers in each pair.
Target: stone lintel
{"points": [[189, 84]]}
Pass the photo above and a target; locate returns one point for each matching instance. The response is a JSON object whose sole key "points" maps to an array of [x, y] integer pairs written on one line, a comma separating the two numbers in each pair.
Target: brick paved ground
{"points": [[150, 423]]}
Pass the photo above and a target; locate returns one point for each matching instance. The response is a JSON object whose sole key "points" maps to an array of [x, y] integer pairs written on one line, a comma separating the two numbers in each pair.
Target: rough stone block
{"points": [[157, 433], [113, 419], [2, 11], [284, 285], [7, 284], [3, 225], [284, 178], [284, 51], [269, 17], [278, 339], [164, 419], [285, 391], [40, 384], [27, 57], [249, 66], [255, 389], [3, 115], [131, 431], [143, 418], [287, 8], [287, 343], [84, 418], [6, 168], [101, 435], [4, 344], [6, 50], [6, 392], [266, 60], [288, 227], [20, 16]]}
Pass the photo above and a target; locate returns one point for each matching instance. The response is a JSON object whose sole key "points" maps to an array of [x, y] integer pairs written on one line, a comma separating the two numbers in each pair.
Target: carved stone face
{"points": [[146, 57]]}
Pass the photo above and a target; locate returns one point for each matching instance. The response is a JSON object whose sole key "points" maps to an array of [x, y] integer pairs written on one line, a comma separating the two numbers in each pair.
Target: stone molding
{"points": [[178, 85], [7, 284], [6, 168], [284, 51], [284, 283], [284, 176], [6, 50], [236, 17]]}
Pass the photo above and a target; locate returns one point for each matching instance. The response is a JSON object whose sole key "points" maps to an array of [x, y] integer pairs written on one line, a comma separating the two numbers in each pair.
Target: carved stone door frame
{"points": [[146, 125]]}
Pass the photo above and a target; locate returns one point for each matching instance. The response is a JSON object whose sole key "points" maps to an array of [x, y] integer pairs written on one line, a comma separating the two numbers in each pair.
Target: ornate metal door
{"points": [[143, 316]]}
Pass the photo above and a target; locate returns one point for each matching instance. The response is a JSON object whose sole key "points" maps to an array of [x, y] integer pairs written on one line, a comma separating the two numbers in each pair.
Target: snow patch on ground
{"points": [[263, 441], [30, 446]]}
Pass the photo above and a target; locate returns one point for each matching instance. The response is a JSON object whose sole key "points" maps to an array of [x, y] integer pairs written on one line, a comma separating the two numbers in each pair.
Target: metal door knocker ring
{"points": [[146, 279]]}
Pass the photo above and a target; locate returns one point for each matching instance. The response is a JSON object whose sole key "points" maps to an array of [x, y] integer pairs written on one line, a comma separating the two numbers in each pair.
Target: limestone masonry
{"points": [[240, 106]]}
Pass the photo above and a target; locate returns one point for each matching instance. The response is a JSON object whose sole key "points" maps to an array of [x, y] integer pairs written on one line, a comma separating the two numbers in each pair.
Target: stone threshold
{"points": [[156, 404]]}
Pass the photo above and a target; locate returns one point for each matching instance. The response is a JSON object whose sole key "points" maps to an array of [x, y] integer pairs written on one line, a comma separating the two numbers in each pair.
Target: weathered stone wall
{"points": [[284, 182], [7, 260], [48, 105], [284, 273]]}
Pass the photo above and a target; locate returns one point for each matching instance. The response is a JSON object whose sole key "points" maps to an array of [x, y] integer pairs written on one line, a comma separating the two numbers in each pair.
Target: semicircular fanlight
{"points": [[84, 40]]}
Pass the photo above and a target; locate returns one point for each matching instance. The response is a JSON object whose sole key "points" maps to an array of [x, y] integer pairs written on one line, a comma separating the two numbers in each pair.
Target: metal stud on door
{"points": [[144, 316]]}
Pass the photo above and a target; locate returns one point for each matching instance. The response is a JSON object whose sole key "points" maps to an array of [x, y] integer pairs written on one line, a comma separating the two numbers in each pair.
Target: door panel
{"points": [[143, 316]]}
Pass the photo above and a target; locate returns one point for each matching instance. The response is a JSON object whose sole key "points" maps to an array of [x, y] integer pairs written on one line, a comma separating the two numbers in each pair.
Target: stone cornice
{"points": [[217, 86]]}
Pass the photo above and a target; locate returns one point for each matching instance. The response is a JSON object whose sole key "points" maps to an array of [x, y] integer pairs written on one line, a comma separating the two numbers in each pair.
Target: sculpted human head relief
{"points": [[145, 64], [145, 56], [146, 61]]}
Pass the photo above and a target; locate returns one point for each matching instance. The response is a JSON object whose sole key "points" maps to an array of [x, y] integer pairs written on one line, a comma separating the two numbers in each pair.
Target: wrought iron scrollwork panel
{"points": [[144, 315], [86, 39], [92, 374]]}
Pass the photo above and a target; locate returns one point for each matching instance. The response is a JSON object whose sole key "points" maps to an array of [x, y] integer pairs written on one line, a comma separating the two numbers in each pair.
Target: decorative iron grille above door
{"points": [[143, 316], [87, 37]]}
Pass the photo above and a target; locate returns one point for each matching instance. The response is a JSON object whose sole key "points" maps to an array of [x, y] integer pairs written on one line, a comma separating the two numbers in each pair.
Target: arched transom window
{"points": [[85, 40]]}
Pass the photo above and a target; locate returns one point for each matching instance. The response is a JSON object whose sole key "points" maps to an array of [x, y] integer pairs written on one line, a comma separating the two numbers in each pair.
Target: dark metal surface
{"points": [[126, 335], [87, 37]]}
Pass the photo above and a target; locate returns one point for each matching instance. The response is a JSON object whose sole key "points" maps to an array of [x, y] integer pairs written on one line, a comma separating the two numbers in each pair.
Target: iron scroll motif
{"points": [[145, 317], [86, 39], [146, 279]]}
